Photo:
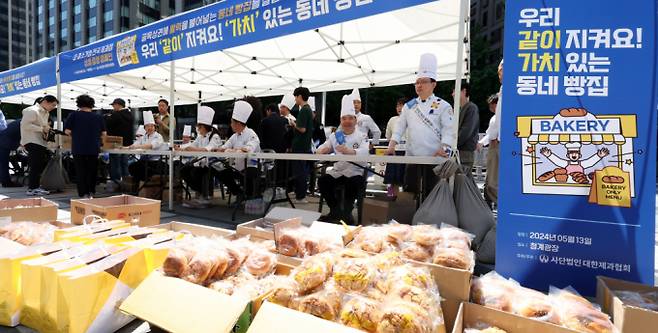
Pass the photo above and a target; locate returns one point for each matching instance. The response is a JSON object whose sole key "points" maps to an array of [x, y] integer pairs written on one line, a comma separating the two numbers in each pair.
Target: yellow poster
{"points": [[611, 188]]}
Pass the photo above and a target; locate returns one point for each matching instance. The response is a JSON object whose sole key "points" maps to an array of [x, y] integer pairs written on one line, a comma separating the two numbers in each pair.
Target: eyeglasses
{"points": [[420, 82]]}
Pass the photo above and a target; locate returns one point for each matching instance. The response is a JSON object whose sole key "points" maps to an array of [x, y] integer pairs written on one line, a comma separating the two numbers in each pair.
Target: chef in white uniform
{"points": [[349, 140], [428, 123], [245, 140], [207, 140], [148, 165], [285, 108], [364, 121]]}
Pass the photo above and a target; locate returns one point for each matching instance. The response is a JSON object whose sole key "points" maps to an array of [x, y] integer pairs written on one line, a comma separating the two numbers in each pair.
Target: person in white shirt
{"points": [[207, 140], [364, 121], [148, 165], [428, 122], [34, 126], [347, 141], [245, 140], [492, 139], [394, 173], [286, 106]]}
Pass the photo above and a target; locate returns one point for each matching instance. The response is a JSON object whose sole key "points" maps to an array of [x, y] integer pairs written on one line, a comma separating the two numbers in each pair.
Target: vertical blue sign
{"points": [[578, 143]]}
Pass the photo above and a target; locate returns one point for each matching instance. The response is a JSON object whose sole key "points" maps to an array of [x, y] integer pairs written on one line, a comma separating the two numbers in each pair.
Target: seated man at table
{"points": [[244, 140], [347, 141], [148, 165], [207, 140]]}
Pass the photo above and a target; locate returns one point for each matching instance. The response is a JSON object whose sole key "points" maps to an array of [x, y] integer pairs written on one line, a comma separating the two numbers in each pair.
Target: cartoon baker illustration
{"points": [[574, 164]]}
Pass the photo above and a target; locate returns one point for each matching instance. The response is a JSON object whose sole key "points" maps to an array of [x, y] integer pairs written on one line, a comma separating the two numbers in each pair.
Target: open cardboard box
{"points": [[196, 229], [276, 318], [112, 142], [178, 306], [471, 314], [33, 209], [264, 228], [627, 318], [142, 211]]}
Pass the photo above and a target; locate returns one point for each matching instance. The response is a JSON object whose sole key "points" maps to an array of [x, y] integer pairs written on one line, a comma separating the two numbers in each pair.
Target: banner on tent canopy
{"points": [[215, 27], [578, 143], [35, 76]]}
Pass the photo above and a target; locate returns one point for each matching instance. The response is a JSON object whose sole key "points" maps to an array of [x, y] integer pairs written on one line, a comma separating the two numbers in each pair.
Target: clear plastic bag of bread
{"points": [[204, 264], [360, 312], [644, 300], [577, 313], [388, 260], [29, 233], [409, 275], [493, 291], [453, 237], [398, 316], [481, 327], [397, 234], [314, 242], [426, 235], [283, 291], [260, 262], [289, 242], [313, 272], [354, 275], [416, 252], [177, 263], [372, 239], [238, 251], [458, 258], [534, 305], [325, 303], [428, 299]]}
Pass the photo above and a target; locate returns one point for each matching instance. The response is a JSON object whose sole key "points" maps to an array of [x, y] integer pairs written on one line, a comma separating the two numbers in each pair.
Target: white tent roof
{"points": [[380, 50]]}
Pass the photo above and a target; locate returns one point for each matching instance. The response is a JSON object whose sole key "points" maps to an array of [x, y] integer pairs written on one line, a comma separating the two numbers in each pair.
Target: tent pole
{"points": [[324, 108], [59, 98], [463, 5], [172, 116]]}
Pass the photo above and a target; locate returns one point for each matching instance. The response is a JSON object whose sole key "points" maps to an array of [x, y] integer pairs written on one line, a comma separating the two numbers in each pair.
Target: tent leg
{"points": [[59, 106], [172, 117]]}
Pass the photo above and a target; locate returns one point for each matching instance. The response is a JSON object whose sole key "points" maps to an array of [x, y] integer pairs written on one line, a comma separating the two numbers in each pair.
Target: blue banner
{"points": [[35, 76], [212, 28], [577, 198]]}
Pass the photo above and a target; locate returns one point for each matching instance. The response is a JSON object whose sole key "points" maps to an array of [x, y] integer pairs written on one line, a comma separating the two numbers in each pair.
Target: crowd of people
{"points": [[424, 124]]}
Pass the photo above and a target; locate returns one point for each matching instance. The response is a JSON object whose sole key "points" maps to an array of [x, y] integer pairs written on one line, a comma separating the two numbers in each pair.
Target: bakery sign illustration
{"points": [[579, 153]]}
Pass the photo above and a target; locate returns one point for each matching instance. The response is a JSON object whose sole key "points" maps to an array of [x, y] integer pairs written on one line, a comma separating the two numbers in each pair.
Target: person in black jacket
{"points": [[10, 139], [119, 123], [275, 131]]}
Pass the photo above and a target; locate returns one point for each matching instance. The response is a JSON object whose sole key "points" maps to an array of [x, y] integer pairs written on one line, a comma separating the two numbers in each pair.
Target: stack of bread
{"points": [[28, 233]]}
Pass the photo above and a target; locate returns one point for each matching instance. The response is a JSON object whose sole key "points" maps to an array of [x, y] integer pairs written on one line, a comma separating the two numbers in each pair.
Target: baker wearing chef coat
{"points": [[148, 165], [207, 140], [364, 121], [575, 162], [245, 140], [428, 123], [349, 140]]}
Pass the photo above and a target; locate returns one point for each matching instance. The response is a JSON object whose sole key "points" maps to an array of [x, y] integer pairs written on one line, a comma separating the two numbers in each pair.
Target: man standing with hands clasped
{"points": [[431, 131]]}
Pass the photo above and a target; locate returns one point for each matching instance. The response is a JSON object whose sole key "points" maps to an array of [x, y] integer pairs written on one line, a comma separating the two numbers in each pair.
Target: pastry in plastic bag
{"points": [[200, 268], [237, 254], [177, 262], [416, 252], [455, 237], [283, 292], [579, 314], [454, 258], [387, 260], [220, 261], [289, 242], [397, 233], [354, 275], [313, 272], [404, 317], [409, 275], [370, 239], [324, 304], [360, 313], [535, 305], [644, 300], [493, 291], [224, 287], [260, 262], [352, 253], [485, 330], [426, 235], [418, 296]]}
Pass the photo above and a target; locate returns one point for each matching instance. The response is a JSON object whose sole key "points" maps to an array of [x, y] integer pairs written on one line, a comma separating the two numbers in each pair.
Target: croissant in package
{"points": [[409, 275], [324, 304], [354, 275], [404, 317], [360, 313], [283, 292], [313, 272]]}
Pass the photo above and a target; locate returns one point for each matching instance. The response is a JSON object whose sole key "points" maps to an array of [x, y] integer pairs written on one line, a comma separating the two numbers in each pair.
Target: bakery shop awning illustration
{"points": [[562, 154]]}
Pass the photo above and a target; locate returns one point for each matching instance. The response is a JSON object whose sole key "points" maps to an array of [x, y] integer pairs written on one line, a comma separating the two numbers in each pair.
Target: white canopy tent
{"points": [[380, 50]]}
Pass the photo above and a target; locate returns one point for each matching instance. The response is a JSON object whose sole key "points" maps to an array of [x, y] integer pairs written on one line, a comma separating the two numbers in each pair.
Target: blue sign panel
{"points": [[578, 143], [214, 27], [35, 76]]}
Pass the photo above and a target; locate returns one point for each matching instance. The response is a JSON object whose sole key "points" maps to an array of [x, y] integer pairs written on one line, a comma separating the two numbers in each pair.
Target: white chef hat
{"points": [[148, 118], [215, 126], [347, 106], [311, 102], [356, 96], [205, 114], [241, 111], [187, 130], [573, 146], [140, 130], [288, 101], [428, 66]]}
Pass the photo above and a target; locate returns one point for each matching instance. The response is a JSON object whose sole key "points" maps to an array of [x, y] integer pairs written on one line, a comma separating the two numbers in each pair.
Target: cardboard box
{"points": [[381, 210], [627, 318], [112, 142], [65, 142], [34, 209], [454, 286], [470, 314], [276, 318], [196, 229], [264, 228], [145, 212]]}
